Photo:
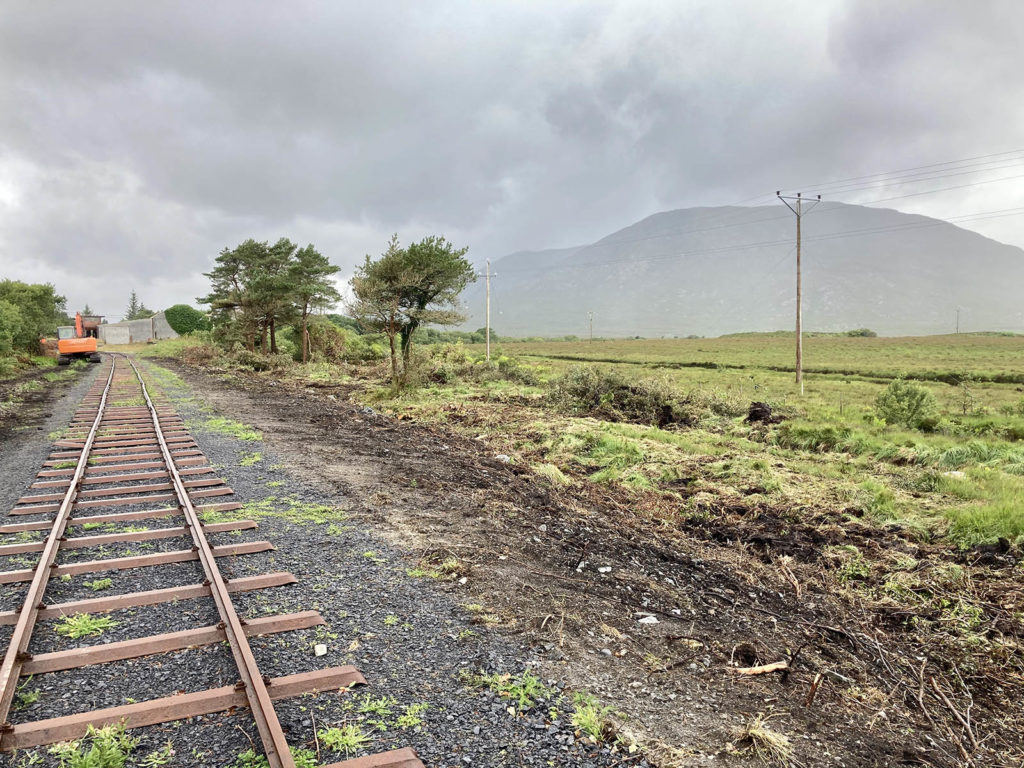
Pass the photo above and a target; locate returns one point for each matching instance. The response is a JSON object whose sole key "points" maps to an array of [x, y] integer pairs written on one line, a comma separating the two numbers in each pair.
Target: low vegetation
{"points": [[84, 625], [346, 739], [951, 454], [107, 747], [893, 483]]}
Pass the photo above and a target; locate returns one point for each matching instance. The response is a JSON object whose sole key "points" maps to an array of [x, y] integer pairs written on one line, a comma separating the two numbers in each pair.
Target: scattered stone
{"points": [[320, 649]]}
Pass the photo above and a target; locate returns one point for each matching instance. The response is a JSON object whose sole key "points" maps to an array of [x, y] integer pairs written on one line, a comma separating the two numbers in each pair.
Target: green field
{"points": [[962, 479], [983, 357], [958, 479]]}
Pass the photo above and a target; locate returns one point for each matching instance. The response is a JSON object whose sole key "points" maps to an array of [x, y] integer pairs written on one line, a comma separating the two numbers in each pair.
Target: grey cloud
{"points": [[147, 136]]}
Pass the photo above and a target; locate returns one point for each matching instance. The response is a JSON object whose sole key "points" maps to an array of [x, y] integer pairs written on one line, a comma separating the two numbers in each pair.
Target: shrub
{"points": [[908, 404], [200, 354], [184, 319], [585, 389], [448, 363], [612, 396], [867, 332], [257, 361], [364, 348], [327, 342]]}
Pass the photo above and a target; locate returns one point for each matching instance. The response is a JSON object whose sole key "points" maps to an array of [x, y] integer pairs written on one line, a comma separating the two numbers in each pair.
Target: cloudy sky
{"points": [[138, 139]]}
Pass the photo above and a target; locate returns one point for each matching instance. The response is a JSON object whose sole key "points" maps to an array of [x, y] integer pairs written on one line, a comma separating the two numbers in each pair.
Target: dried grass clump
{"points": [[768, 746]]}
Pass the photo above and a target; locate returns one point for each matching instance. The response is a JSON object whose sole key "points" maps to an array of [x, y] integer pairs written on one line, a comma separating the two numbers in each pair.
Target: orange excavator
{"points": [[78, 341]]}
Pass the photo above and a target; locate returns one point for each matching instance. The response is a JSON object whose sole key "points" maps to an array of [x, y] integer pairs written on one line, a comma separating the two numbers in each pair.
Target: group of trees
{"points": [[257, 288], [28, 312]]}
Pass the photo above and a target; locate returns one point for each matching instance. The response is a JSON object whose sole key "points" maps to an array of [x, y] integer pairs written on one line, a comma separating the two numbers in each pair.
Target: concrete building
{"points": [[135, 331]]}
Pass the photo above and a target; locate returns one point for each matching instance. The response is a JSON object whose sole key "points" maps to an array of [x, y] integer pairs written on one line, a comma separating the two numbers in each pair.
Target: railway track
{"points": [[126, 460]]}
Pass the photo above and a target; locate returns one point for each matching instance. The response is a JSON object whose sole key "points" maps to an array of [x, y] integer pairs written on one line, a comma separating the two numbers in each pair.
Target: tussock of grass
{"points": [[552, 474], [770, 747], [347, 738], [590, 717], [107, 747], [411, 716]]}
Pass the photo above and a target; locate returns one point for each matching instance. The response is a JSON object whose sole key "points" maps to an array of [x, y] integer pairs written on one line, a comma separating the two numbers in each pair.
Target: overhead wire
{"points": [[820, 185], [895, 181], [632, 259], [913, 175]]}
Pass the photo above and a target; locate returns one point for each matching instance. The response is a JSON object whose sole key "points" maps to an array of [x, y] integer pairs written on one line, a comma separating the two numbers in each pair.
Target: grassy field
{"points": [[961, 481], [983, 357]]}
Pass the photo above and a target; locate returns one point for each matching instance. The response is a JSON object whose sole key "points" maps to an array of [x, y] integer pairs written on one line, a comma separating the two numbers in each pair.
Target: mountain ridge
{"points": [[709, 271]]}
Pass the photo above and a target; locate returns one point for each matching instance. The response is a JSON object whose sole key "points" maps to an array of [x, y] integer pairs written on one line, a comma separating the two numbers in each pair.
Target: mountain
{"points": [[711, 271]]}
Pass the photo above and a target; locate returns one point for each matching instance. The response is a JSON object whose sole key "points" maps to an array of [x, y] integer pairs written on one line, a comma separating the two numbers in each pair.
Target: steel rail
{"points": [[275, 745], [17, 651]]}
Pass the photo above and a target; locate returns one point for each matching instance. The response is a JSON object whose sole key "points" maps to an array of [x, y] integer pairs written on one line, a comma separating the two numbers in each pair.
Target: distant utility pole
{"points": [[590, 317], [958, 320], [796, 205], [487, 325]]}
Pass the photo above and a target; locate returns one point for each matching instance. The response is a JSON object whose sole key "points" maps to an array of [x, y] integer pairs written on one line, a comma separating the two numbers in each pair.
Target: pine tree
{"points": [[136, 309], [310, 277]]}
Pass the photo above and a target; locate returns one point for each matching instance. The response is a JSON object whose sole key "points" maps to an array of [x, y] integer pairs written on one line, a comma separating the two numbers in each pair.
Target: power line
{"points": [[826, 188], [980, 215], [821, 185]]}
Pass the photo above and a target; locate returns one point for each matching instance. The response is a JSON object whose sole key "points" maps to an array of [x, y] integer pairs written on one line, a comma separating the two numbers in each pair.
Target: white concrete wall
{"points": [[135, 331], [115, 333], [161, 330]]}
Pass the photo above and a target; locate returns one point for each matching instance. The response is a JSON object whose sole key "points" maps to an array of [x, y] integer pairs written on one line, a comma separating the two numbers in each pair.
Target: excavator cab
{"points": [[79, 341]]}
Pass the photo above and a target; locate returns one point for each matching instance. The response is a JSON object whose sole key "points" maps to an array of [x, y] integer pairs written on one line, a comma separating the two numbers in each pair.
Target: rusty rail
{"points": [[130, 444], [17, 651]]}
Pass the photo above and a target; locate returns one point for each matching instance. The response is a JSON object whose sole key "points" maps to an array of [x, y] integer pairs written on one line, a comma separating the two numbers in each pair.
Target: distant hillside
{"points": [[710, 271]]}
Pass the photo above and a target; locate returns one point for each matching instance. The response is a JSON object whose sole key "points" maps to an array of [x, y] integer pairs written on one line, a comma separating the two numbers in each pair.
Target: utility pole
{"points": [[590, 318], [958, 320], [487, 326], [795, 204]]}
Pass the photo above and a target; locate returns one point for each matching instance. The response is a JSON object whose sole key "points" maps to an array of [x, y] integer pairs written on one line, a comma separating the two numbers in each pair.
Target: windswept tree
{"points": [[256, 288], [407, 288], [310, 279], [232, 306], [250, 294]]}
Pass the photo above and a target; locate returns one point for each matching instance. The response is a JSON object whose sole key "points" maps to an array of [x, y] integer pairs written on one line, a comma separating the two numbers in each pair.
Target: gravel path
{"points": [[410, 637]]}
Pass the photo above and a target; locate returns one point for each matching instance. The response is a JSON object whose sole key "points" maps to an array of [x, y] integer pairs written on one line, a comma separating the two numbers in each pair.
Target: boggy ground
{"points": [[657, 621]]}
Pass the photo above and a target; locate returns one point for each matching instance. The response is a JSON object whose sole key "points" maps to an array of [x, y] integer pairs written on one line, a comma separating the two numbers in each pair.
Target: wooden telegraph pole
{"points": [[487, 325], [795, 204]]}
